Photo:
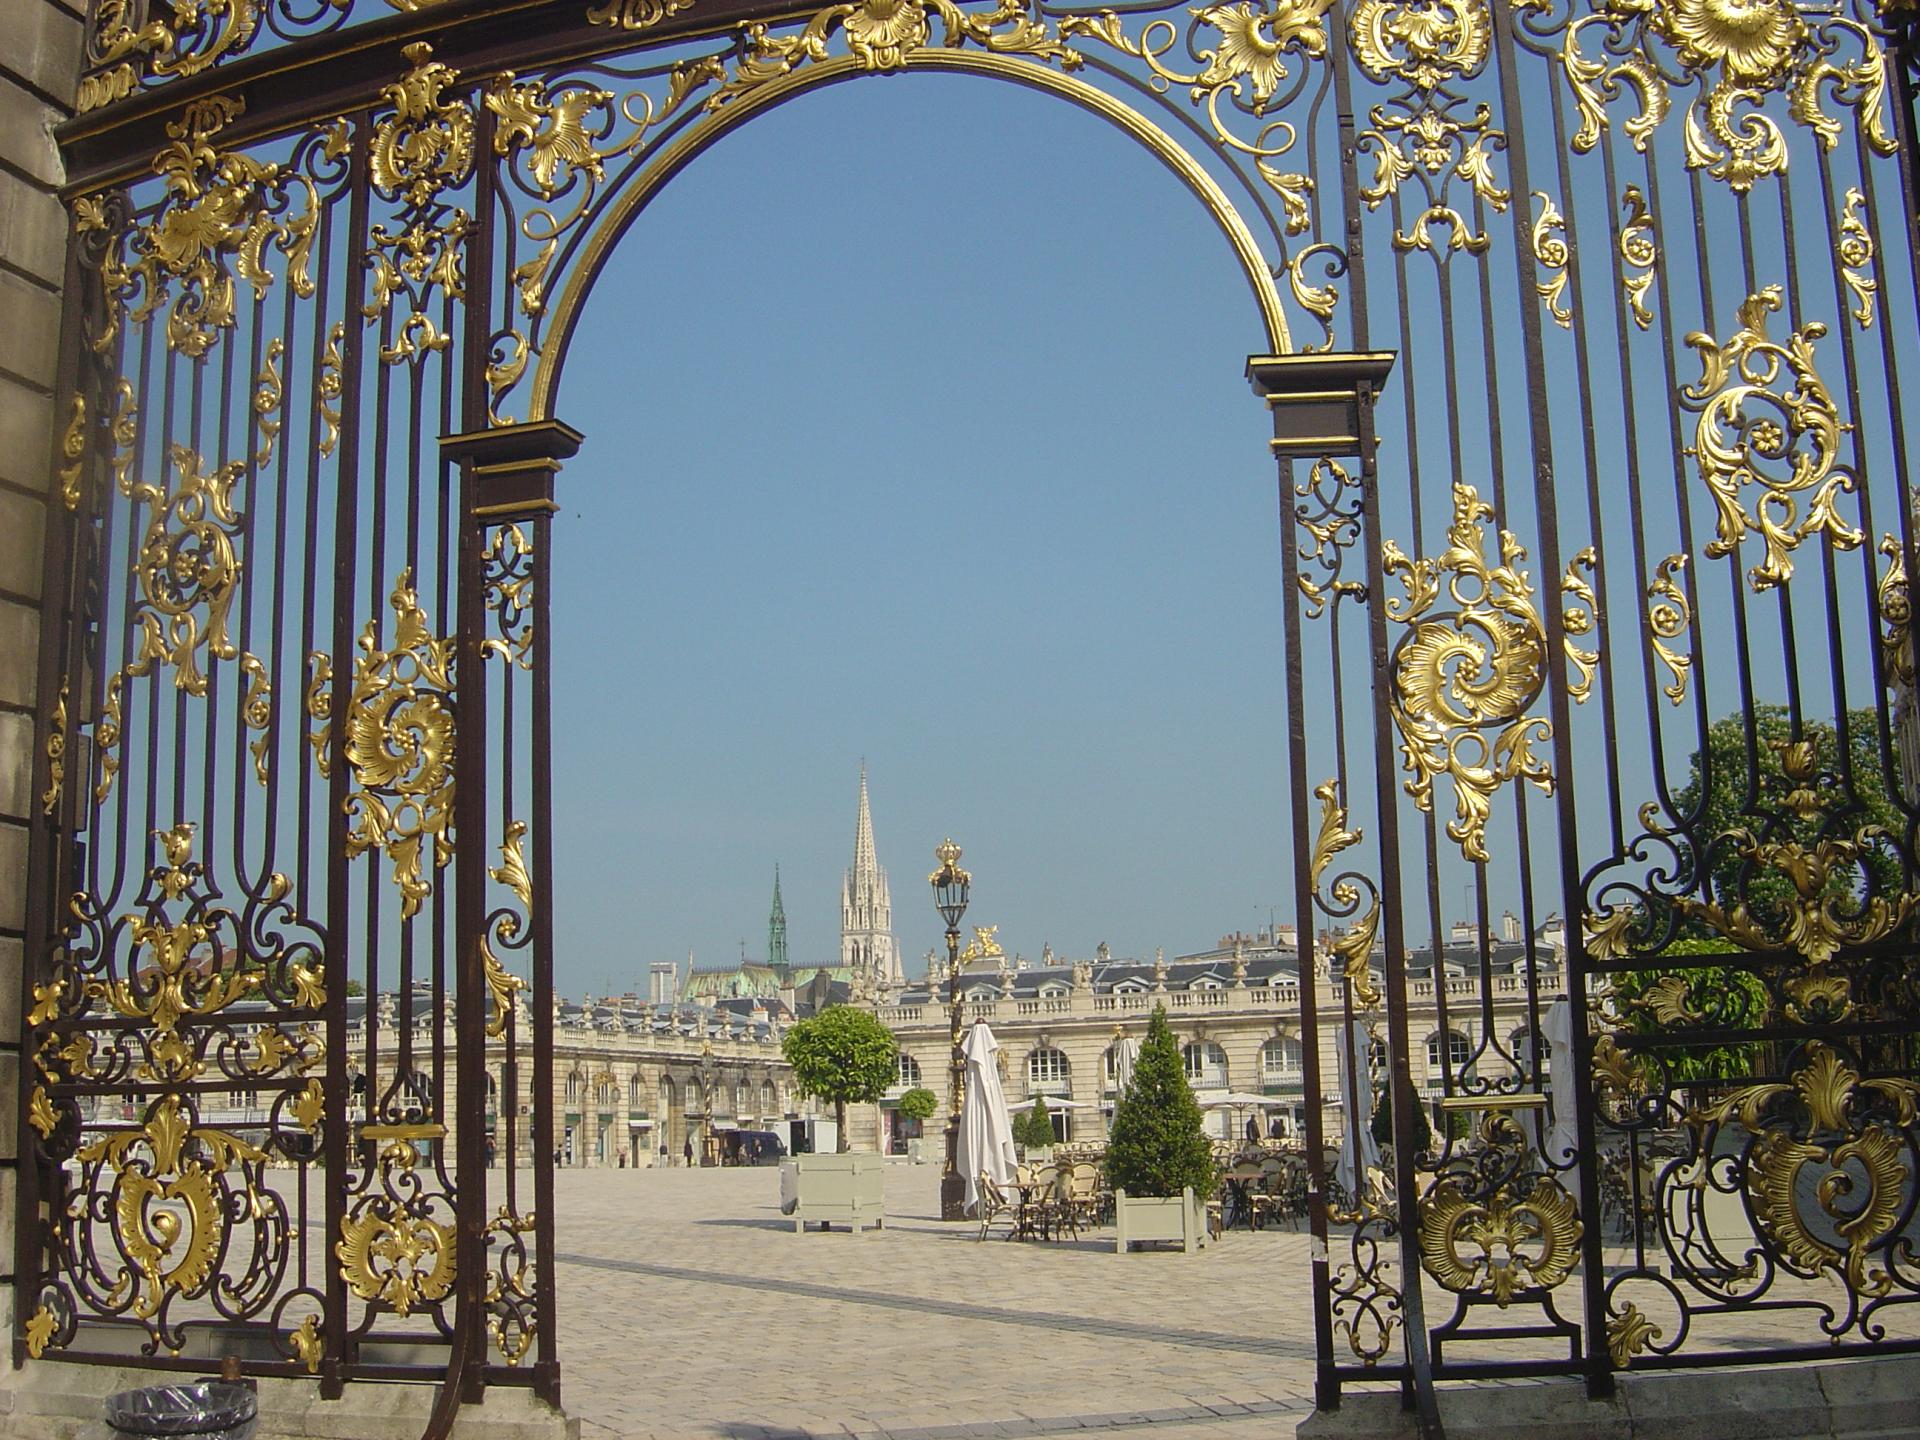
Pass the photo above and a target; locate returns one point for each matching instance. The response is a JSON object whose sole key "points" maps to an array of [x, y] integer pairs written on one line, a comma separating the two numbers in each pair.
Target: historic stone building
{"points": [[1235, 1010]]}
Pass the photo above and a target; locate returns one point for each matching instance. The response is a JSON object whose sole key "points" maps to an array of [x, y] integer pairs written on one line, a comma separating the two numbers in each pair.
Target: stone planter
{"points": [[1172, 1217]]}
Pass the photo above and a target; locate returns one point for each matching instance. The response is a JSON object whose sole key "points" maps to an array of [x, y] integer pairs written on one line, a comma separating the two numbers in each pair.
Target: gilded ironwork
{"points": [[1426, 133], [1550, 254], [1639, 253], [328, 387], [1896, 614], [1738, 54], [1670, 618], [224, 210], [399, 743], [56, 752], [391, 1248], [73, 451], [507, 560], [1459, 675], [1327, 506], [421, 150], [502, 984], [1353, 948], [1628, 1333], [1763, 406], [509, 1290], [1500, 1246], [634, 14], [1855, 253], [192, 36], [1577, 618]]}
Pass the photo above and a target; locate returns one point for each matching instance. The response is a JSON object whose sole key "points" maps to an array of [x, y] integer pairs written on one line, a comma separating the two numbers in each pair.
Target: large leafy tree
{"points": [[1158, 1146], [844, 1055]]}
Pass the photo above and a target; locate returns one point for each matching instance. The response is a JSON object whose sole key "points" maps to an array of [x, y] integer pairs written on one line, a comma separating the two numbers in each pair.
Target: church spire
{"points": [[865, 863], [868, 951], [777, 930]]}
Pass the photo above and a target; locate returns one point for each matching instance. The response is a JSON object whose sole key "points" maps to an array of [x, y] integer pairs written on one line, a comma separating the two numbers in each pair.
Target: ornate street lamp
{"points": [[950, 884]]}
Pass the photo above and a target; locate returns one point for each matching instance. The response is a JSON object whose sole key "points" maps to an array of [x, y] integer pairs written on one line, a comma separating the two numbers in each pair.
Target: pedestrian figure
{"points": [[689, 1152], [492, 1150], [1253, 1127]]}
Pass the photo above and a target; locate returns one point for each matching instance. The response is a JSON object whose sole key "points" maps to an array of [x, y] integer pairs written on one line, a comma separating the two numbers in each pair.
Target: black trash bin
{"points": [[197, 1410]]}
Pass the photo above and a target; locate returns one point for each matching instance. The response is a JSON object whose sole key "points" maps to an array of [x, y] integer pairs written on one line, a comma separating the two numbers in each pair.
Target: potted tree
{"points": [[1034, 1131], [917, 1105], [847, 1056], [1159, 1161]]}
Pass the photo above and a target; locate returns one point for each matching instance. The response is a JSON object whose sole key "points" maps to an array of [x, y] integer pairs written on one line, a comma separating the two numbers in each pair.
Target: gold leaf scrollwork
{"points": [[1752, 423], [39, 1332], [1459, 674], [1628, 1333], [551, 132], [1577, 618], [1855, 253], [1511, 1242], [220, 207], [73, 451], [1354, 948], [391, 1249], [193, 36], [1550, 253], [509, 1289], [1425, 45], [399, 743], [422, 149], [1639, 253], [1670, 618], [328, 388], [171, 1202], [1332, 527], [1738, 53], [507, 565], [634, 14], [56, 753], [1896, 613], [1859, 1132], [307, 1343], [503, 984]]}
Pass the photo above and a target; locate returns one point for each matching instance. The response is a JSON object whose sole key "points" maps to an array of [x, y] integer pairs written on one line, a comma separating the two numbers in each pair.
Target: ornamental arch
{"points": [[1596, 619]]}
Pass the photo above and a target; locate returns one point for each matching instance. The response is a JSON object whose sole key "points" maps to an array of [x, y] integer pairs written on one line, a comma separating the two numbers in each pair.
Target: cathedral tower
{"points": [[867, 948], [777, 932]]}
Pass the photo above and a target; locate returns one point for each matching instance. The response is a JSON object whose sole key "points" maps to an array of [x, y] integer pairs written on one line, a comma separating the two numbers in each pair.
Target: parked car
{"points": [[751, 1147]]}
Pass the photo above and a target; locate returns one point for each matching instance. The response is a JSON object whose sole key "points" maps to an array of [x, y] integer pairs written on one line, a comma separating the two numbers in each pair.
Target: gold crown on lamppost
{"points": [[948, 854]]}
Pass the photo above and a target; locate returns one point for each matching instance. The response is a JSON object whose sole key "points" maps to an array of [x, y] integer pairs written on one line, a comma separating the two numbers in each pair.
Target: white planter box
{"points": [[1175, 1217], [836, 1189]]}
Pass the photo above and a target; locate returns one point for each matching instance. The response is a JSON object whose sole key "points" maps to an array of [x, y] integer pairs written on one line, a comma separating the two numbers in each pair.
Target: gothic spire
{"points": [[777, 929], [865, 863]]}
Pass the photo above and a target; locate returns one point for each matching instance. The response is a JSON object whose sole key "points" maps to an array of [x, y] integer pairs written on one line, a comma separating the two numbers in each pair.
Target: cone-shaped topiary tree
{"points": [[1157, 1146], [1036, 1126]]}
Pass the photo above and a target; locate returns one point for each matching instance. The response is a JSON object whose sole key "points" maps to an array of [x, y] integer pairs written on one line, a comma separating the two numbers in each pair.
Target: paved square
{"points": [[689, 1308]]}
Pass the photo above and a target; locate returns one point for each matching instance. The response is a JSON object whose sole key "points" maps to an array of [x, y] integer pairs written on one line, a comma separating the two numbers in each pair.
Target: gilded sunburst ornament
{"points": [[1754, 39]]}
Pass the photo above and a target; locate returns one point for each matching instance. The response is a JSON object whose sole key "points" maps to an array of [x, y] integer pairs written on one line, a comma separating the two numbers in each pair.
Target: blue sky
{"points": [[935, 451]]}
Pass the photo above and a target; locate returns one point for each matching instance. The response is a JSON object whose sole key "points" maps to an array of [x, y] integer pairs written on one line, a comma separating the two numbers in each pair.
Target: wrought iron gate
{"points": [[1583, 326]]}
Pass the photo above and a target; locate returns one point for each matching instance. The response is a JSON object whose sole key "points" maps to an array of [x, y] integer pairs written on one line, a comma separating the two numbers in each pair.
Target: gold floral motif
{"points": [[1628, 1333], [309, 1107], [399, 743], [503, 984], [328, 388], [1458, 674], [1639, 252], [269, 391], [1670, 618], [1332, 528], [1550, 252], [56, 753], [1521, 1243], [1577, 618], [41, 1114], [421, 149], [1837, 1135], [103, 87], [220, 206], [195, 35], [1354, 948], [552, 132], [388, 1249], [1896, 613], [1855, 252], [1738, 443], [1738, 52], [510, 1286], [634, 14], [170, 1211], [507, 565], [106, 739], [73, 450]]}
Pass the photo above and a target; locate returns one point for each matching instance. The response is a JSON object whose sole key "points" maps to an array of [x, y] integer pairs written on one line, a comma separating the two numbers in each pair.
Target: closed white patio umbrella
{"points": [[986, 1128], [1125, 1054]]}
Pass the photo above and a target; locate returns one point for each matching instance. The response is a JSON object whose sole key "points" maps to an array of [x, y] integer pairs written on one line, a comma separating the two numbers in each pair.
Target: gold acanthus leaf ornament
{"points": [[503, 984], [1639, 253], [56, 753], [1462, 678], [73, 450], [1670, 618], [1515, 1243], [1738, 53], [1855, 254], [1895, 604], [1551, 254], [1353, 949], [1628, 1333], [634, 14], [1752, 424], [399, 743], [221, 213], [176, 41], [39, 1332], [1577, 617], [388, 1249], [550, 131]]}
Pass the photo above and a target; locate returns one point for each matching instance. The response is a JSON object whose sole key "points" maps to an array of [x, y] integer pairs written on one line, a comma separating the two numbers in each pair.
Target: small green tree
{"points": [[1035, 1129], [844, 1055], [918, 1103], [1158, 1146], [1382, 1127]]}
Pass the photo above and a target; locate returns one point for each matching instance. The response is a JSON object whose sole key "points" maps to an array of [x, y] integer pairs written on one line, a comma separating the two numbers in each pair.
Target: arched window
{"points": [[574, 1085], [1280, 1059], [743, 1099], [1047, 1072], [635, 1093], [769, 1102], [1458, 1048], [1206, 1065], [1523, 1043], [906, 1072]]}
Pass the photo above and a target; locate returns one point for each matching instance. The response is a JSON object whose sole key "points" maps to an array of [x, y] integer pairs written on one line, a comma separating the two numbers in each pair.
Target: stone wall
{"points": [[39, 72]]}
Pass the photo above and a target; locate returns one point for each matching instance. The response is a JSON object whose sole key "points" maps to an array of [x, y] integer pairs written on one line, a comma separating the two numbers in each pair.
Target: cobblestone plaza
{"points": [[689, 1308]]}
